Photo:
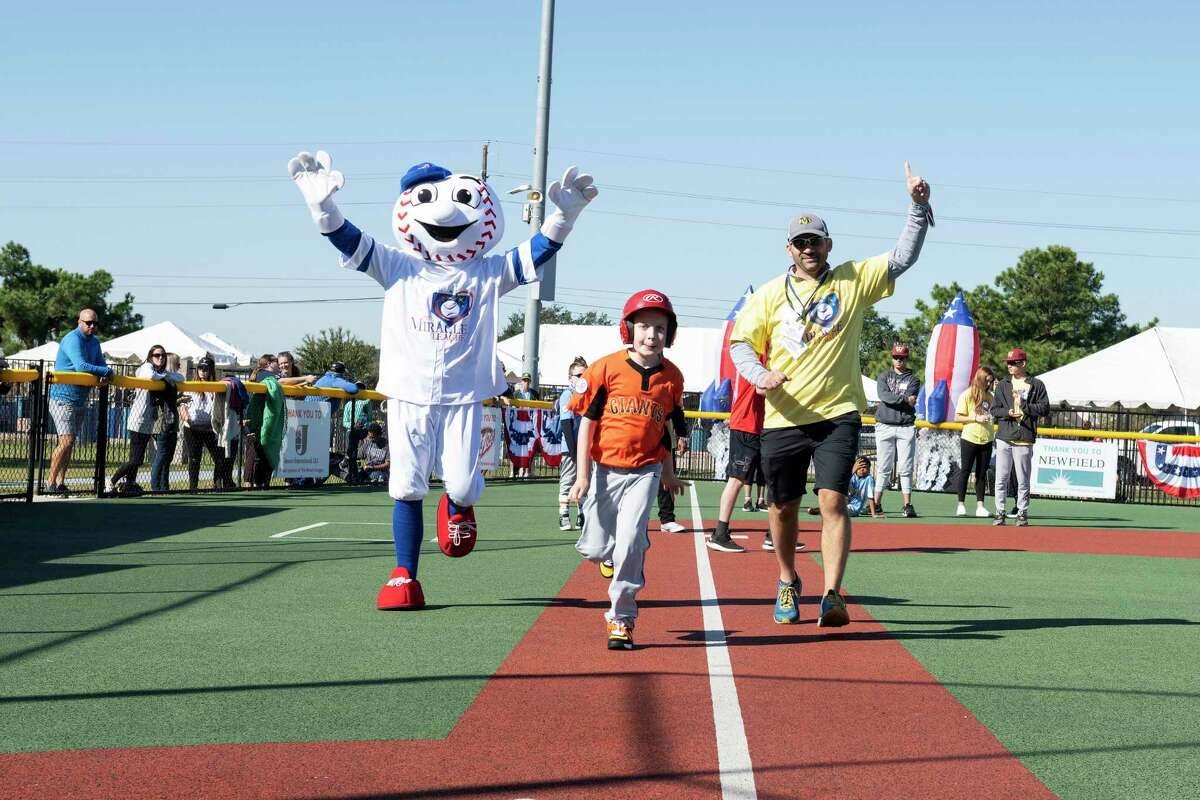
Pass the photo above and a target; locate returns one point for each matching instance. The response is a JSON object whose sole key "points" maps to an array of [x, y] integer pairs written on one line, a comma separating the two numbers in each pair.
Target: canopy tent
{"points": [[695, 352], [43, 352], [1158, 367], [134, 346], [219, 345]]}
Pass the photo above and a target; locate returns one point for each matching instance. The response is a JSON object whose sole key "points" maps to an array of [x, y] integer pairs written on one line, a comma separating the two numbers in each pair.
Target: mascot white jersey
{"points": [[438, 355]]}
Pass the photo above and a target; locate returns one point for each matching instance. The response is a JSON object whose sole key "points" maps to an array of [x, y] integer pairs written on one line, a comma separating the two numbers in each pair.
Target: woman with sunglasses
{"points": [[167, 436], [198, 432], [143, 413]]}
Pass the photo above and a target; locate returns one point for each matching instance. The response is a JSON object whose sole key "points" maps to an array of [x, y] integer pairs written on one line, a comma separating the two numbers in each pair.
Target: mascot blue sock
{"points": [[408, 529]]}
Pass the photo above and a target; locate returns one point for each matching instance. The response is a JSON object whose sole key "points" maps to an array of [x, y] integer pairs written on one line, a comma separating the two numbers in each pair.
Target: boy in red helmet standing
{"points": [[626, 401]]}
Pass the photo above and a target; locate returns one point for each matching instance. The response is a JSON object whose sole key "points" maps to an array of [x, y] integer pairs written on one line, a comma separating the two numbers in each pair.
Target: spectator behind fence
{"points": [[336, 377], [373, 450], [199, 429], [79, 351], [4, 387], [895, 434], [143, 413], [167, 438], [1018, 401], [975, 409], [264, 424], [289, 372], [523, 390]]}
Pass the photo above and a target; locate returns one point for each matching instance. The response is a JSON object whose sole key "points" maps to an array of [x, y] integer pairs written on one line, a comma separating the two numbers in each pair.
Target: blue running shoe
{"points": [[833, 611], [787, 601]]}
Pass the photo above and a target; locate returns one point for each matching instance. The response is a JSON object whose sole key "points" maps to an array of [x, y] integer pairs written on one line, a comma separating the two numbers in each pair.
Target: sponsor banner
{"points": [[491, 438], [1063, 468], [305, 451]]}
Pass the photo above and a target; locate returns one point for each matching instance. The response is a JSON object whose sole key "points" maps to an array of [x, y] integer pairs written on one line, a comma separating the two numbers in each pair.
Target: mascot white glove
{"points": [[318, 183], [570, 195]]}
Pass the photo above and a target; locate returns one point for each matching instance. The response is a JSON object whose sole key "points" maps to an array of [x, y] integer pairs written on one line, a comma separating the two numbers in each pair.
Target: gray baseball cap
{"points": [[807, 225]]}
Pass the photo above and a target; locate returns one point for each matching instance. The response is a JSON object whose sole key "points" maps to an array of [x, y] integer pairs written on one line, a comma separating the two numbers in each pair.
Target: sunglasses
{"points": [[1020, 363], [91, 323], [158, 355], [900, 358], [804, 242]]}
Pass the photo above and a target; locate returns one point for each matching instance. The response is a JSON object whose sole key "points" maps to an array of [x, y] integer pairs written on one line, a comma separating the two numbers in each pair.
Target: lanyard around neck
{"points": [[806, 306]]}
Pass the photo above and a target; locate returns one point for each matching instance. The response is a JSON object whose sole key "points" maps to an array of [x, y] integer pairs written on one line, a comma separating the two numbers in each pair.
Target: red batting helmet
{"points": [[640, 301]]}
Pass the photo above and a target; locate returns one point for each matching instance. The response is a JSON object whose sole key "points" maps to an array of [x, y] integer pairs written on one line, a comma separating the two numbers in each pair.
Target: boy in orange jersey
{"points": [[626, 400]]}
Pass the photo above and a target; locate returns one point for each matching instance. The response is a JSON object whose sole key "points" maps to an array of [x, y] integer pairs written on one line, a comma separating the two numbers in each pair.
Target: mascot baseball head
{"points": [[446, 218]]}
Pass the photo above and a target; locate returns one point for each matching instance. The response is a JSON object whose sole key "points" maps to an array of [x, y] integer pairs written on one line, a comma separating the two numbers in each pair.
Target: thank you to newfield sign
{"points": [[305, 451], [1075, 469]]}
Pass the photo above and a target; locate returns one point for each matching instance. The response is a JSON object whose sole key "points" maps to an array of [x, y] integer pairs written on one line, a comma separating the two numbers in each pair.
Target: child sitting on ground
{"points": [[862, 490]]}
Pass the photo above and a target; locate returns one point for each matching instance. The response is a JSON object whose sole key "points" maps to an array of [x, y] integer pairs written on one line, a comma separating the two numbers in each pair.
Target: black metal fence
{"points": [[28, 439]]}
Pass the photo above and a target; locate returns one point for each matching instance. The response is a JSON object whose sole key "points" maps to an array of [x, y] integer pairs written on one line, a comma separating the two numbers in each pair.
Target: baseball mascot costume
{"points": [[438, 359]]}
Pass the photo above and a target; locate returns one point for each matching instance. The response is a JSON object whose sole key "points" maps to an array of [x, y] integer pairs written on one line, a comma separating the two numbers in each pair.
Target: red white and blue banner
{"points": [[530, 431], [1173, 468], [950, 362], [719, 394]]}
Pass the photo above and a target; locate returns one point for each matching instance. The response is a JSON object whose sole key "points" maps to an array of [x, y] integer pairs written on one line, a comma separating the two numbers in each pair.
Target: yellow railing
{"points": [[124, 382]]}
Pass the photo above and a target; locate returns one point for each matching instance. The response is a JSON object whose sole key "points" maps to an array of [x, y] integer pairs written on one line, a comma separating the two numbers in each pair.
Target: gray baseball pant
{"points": [[566, 478], [1008, 457], [615, 512], [891, 440]]}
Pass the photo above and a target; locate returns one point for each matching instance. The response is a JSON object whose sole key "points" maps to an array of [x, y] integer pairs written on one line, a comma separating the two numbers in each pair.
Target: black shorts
{"points": [[745, 461], [830, 446]]}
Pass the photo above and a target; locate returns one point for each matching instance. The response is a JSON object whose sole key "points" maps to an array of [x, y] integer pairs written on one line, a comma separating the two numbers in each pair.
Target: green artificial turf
{"points": [[1083, 666], [180, 621]]}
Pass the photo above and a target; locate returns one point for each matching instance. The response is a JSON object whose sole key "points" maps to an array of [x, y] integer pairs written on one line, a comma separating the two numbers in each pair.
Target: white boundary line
{"points": [[733, 751], [297, 530]]}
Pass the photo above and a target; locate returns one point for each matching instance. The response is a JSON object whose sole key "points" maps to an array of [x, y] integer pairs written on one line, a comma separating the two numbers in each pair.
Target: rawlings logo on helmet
{"points": [[641, 301]]}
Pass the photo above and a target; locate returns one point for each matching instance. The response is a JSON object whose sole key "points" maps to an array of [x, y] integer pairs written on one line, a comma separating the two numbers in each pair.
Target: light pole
{"points": [[537, 195]]}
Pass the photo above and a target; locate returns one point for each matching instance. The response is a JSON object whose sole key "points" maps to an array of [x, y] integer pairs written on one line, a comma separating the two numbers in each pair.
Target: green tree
{"points": [[553, 315], [39, 304], [878, 336], [1050, 304], [315, 353]]}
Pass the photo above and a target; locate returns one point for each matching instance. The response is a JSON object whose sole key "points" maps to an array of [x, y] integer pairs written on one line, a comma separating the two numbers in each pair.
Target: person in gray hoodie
{"points": [[895, 436]]}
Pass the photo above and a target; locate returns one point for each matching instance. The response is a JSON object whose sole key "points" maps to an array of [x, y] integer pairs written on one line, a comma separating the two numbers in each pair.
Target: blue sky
{"points": [[152, 141]]}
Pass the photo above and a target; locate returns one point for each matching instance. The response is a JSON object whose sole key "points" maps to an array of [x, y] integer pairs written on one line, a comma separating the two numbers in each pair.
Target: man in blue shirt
{"points": [[79, 351]]}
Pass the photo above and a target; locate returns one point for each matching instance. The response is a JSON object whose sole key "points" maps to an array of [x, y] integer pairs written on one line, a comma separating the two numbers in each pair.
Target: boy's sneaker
{"points": [[725, 544], [747, 506], [620, 635], [564, 522], [833, 611], [762, 505], [998, 519], [607, 568], [909, 511], [787, 602], [671, 527], [1022, 520], [109, 488]]}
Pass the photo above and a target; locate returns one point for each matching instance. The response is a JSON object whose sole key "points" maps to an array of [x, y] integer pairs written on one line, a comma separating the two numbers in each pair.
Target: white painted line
{"points": [[733, 751], [336, 539], [297, 530]]}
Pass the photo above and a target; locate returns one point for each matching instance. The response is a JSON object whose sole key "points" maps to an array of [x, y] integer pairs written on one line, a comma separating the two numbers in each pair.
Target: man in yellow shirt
{"points": [[808, 323]]}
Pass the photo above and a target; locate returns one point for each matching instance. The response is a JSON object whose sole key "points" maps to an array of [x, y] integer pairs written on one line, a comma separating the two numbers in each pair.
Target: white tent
{"points": [[219, 345], [696, 353], [43, 352], [134, 346], [1159, 367]]}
